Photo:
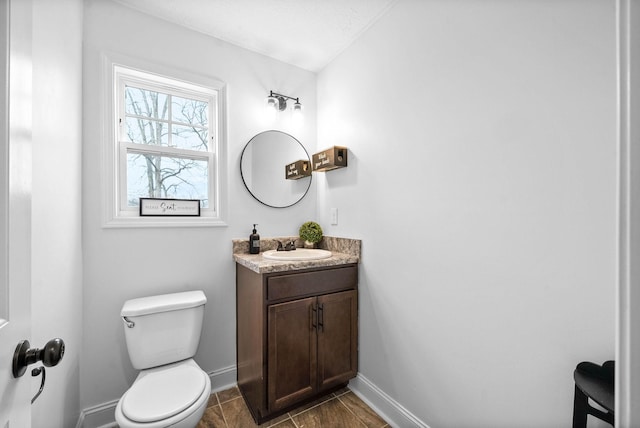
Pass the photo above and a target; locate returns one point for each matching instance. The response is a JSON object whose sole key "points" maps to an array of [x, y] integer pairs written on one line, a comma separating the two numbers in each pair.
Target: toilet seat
{"points": [[162, 393], [183, 388]]}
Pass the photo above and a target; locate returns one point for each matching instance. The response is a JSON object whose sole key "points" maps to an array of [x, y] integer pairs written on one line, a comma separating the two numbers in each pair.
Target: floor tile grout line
{"points": [[229, 399], [294, 423], [290, 415], [349, 410], [312, 407], [354, 413], [224, 418], [289, 418], [344, 392]]}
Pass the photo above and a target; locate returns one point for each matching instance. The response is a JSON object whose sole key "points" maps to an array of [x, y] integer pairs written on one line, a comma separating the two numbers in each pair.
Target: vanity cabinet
{"points": [[297, 335]]}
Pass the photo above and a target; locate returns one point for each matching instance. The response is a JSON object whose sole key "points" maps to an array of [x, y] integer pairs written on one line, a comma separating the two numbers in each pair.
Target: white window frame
{"points": [[123, 71]]}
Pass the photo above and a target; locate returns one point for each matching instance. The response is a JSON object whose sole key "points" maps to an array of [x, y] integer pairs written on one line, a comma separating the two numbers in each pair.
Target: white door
{"points": [[15, 206]]}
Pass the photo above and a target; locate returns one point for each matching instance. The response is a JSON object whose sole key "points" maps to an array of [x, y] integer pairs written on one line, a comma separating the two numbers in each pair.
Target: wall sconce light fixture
{"points": [[278, 102]]}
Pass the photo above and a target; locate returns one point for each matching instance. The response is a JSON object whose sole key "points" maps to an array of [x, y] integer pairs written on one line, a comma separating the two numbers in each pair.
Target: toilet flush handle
{"points": [[128, 322]]}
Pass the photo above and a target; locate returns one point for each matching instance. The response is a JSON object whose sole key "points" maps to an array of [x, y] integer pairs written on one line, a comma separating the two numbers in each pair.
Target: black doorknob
{"points": [[50, 355]]}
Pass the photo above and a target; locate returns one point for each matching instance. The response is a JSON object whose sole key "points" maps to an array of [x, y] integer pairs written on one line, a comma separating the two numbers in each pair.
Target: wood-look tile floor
{"points": [[342, 409]]}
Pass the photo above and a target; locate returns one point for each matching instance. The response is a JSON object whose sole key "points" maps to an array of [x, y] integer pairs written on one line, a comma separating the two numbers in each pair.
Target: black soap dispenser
{"points": [[254, 241]]}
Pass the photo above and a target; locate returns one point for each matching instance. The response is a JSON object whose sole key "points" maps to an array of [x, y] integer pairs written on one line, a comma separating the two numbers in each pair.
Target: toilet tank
{"points": [[163, 329]]}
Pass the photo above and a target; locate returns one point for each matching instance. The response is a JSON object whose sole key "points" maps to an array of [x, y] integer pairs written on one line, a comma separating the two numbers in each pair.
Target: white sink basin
{"points": [[297, 254]]}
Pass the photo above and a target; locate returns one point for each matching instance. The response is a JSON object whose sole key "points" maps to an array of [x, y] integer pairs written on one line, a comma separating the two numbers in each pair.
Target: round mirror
{"points": [[266, 162]]}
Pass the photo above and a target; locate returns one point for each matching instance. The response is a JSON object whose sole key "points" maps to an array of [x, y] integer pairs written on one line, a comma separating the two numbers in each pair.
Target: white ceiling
{"points": [[305, 33]]}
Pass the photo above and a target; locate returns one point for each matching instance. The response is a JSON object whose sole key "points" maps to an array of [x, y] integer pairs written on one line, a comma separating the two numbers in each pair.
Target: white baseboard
{"points": [[100, 416], [103, 415], [385, 406], [224, 378]]}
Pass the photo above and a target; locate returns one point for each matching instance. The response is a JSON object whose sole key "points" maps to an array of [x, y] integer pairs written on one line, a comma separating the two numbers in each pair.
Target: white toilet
{"points": [[162, 334]]}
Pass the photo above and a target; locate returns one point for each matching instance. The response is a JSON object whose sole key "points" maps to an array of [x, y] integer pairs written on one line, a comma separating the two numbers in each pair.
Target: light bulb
{"points": [[297, 113], [271, 107]]}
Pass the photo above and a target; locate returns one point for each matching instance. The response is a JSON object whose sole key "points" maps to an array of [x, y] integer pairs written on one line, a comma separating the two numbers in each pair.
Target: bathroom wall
{"points": [[56, 305], [120, 264], [482, 180]]}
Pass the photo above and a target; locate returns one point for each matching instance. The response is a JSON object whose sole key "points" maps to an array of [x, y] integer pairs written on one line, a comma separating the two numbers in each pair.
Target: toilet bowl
{"points": [[162, 335], [175, 395]]}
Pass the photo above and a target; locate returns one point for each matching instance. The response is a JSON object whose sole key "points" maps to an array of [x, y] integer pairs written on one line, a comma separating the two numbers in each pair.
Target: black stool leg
{"points": [[580, 409]]}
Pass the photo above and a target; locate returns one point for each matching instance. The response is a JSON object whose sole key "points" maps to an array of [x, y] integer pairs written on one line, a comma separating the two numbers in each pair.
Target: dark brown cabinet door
{"points": [[337, 338], [292, 351]]}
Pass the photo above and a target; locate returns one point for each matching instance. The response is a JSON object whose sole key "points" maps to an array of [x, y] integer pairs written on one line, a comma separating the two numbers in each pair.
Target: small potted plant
{"points": [[311, 233]]}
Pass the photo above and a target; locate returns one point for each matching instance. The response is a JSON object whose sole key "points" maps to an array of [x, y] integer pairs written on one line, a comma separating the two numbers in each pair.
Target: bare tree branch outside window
{"points": [[158, 119]]}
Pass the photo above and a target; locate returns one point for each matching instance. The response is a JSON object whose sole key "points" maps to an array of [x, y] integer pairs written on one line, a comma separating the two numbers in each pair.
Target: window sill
{"points": [[162, 222]]}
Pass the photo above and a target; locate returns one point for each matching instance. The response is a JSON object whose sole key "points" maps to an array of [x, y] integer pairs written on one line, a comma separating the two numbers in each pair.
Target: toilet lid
{"points": [[161, 394]]}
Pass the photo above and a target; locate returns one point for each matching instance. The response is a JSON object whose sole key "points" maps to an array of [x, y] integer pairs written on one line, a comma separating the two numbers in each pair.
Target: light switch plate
{"points": [[334, 216]]}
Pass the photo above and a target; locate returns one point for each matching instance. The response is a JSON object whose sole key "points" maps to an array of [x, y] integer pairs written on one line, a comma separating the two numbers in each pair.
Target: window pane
{"points": [[147, 131], [156, 176], [189, 111], [186, 137], [141, 102]]}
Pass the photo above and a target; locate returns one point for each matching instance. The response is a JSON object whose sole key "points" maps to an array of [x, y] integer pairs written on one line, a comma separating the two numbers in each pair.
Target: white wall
{"points": [[482, 180], [56, 224], [120, 264]]}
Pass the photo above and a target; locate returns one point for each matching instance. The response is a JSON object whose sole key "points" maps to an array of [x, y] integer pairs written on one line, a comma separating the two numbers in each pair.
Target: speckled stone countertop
{"points": [[344, 251]]}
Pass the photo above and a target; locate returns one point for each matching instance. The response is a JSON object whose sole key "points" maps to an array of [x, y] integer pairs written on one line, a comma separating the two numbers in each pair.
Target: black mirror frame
{"points": [[245, 182]]}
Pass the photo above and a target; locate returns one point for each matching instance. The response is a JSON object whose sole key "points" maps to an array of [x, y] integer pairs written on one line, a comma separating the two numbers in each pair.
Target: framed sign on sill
{"points": [[169, 207]]}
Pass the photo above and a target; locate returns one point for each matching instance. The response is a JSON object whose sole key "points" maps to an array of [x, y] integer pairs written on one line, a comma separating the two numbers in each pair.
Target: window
{"points": [[167, 143]]}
